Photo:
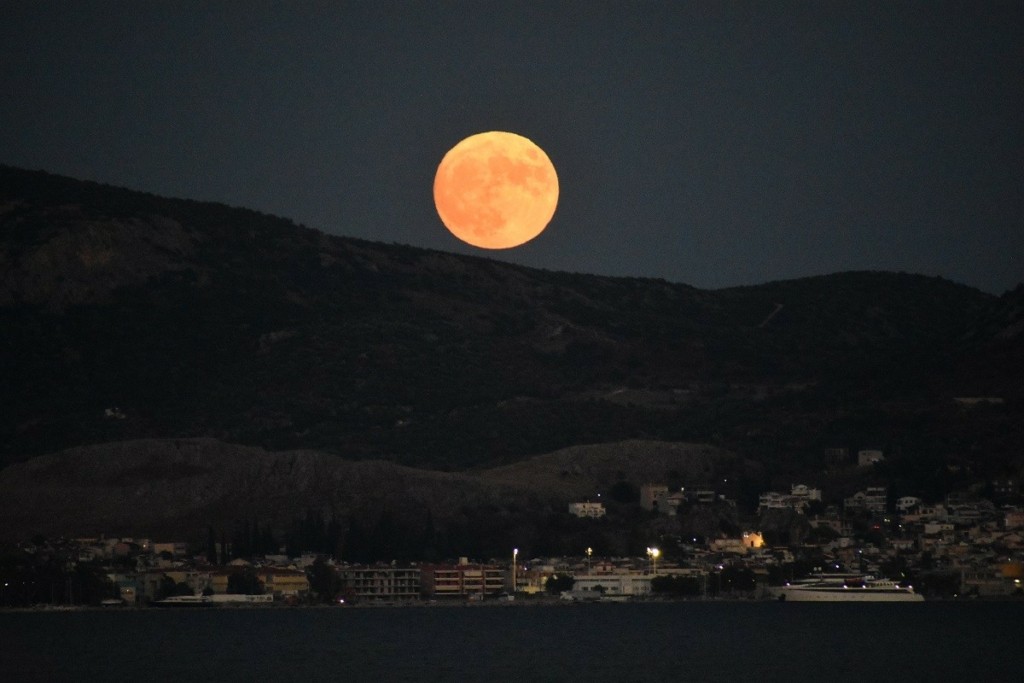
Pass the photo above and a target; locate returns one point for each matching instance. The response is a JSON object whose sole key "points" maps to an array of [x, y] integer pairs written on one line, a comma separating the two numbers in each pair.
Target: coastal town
{"points": [[968, 546]]}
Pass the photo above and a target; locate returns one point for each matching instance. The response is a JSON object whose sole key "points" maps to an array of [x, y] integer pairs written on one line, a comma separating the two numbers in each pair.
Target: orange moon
{"points": [[496, 190]]}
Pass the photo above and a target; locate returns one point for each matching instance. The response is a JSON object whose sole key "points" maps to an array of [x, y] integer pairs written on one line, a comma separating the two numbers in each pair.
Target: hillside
{"points": [[181, 488], [165, 486], [129, 316], [588, 472]]}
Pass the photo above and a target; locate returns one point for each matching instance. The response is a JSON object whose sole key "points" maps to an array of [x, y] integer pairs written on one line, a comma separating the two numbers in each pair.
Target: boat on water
{"points": [[846, 588], [213, 600], [185, 601]]}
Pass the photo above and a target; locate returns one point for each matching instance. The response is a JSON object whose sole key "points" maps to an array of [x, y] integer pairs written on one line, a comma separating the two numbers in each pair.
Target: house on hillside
{"points": [[750, 540], [654, 497], [587, 509], [805, 492], [836, 456], [872, 499], [1013, 518], [907, 504], [799, 499], [866, 458]]}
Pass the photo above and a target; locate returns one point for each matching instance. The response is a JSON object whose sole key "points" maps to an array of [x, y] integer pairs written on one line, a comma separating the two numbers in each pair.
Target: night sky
{"points": [[711, 143]]}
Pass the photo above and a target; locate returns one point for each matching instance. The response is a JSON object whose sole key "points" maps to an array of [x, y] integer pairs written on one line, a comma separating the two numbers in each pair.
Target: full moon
{"points": [[496, 190]]}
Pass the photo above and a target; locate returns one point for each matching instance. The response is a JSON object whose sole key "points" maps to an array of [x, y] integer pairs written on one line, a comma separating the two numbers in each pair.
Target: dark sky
{"points": [[711, 143]]}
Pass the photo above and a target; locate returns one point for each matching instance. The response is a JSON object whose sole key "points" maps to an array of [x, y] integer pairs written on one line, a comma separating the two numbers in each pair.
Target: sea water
{"points": [[691, 641]]}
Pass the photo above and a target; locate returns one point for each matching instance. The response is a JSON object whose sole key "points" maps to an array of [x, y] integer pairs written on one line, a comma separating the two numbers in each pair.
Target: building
{"points": [[588, 509], [773, 500], [148, 585], [702, 496], [531, 579], [876, 499], [381, 582], [283, 583], [907, 504], [991, 581], [613, 584], [654, 497], [935, 512], [173, 549], [968, 514], [461, 580], [277, 581], [1013, 518], [751, 540], [219, 580], [805, 492], [938, 529], [866, 458], [836, 456], [799, 498], [872, 499], [128, 587]]}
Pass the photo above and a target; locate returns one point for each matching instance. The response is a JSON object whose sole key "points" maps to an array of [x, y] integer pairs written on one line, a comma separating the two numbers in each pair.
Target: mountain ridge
{"points": [[133, 316]]}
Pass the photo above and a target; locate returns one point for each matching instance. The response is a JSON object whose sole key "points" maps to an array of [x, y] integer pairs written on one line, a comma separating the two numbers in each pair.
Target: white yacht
{"points": [[846, 588]]}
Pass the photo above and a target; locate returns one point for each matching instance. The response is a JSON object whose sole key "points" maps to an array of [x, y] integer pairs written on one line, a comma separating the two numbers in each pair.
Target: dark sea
{"points": [[720, 641]]}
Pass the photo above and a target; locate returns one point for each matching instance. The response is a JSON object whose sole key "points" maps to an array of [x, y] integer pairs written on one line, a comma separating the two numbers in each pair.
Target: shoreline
{"points": [[447, 604]]}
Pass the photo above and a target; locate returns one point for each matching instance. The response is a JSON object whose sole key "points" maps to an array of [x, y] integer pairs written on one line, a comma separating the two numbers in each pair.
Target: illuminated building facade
{"points": [[462, 579]]}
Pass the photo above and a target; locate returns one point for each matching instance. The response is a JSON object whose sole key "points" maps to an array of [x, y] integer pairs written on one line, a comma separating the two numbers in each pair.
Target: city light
{"points": [[653, 553]]}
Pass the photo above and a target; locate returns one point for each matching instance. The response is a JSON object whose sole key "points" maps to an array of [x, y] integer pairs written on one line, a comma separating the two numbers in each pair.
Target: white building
{"points": [[630, 583], [773, 500], [799, 498], [702, 496], [588, 509], [907, 503], [805, 492], [654, 497], [871, 499]]}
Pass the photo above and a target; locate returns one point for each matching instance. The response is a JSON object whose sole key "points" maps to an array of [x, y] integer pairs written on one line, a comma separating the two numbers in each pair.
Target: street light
{"points": [[653, 554], [515, 555], [590, 551]]}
